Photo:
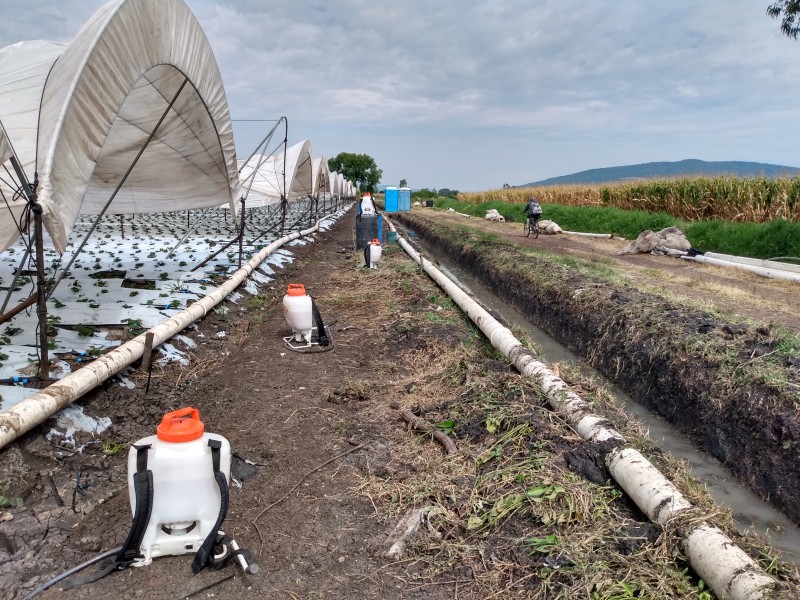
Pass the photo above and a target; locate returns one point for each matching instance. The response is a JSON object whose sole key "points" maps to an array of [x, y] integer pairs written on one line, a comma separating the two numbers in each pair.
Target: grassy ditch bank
{"points": [[734, 388], [778, 238], [525, 508]]}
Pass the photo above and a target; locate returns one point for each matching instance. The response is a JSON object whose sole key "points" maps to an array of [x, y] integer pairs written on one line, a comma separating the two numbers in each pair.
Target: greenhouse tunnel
{"points": [[78, 115]]}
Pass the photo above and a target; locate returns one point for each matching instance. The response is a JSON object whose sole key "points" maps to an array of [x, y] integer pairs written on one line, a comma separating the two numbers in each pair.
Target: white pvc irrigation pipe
{"points": [[755, 262], [26, 415], [727, 569], [586, 234], [763, 272]]}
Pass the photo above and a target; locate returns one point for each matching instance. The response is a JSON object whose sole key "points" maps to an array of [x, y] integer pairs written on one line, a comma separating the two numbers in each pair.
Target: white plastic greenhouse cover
{"points": [[78, 114], [262, 177], [320, 176], [6, 194], [339, 184], [5, 146], [334, 183]]}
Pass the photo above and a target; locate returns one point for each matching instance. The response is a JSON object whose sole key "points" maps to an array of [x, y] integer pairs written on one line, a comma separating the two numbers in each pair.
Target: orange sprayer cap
{"points": [[376, 241], [296, 289], [183, 425]]}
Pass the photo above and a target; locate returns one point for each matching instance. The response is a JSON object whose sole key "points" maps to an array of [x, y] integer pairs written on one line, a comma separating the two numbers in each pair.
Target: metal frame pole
{"points": [[285, 194], [41, 291], [241, 235], [41, 282], [14, 281], [30, 301]]}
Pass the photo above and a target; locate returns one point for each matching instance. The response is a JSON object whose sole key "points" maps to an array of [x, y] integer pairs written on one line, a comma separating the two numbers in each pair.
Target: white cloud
{"points": [[544, 88], [687, 91]]}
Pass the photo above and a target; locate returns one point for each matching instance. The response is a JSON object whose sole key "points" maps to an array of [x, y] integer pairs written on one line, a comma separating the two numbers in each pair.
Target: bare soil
{"points": [[277, 408], [336, 467], [737, 293]]}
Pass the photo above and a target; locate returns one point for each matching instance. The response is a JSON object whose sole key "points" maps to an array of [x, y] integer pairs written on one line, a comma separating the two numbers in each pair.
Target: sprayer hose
{"points": [[72, 571]]}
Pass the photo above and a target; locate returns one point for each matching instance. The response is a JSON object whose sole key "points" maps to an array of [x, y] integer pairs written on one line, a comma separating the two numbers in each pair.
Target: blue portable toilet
{"points": [[391, 199], [404, 199]]}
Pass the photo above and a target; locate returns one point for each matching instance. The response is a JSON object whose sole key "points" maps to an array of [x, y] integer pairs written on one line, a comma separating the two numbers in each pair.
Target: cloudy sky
{"points": [[472, 94]]}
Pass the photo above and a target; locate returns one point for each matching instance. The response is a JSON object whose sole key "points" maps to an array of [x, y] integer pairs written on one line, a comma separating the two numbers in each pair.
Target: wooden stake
{"points": [[148, 350]]}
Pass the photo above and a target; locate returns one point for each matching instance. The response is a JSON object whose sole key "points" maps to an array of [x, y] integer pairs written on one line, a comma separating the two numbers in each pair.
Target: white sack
{"points": [[669, 241], [549, 227]]}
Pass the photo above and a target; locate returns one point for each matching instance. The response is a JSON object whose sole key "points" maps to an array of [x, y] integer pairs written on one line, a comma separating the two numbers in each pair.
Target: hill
{"points": [[690, 166]]}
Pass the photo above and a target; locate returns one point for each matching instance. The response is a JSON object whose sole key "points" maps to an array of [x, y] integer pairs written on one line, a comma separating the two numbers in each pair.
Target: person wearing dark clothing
{"points": [[534, 210]]}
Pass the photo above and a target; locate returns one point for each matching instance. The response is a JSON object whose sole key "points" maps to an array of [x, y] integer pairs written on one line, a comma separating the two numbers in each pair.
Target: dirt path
{"points": [[277, 408], [730, 291]]}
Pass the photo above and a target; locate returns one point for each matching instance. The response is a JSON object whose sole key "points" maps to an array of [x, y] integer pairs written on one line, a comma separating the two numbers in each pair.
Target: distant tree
{"points": [[424, 194], [506, 186], [358, 168], [403, 183], [789, 13], [447, 193]]}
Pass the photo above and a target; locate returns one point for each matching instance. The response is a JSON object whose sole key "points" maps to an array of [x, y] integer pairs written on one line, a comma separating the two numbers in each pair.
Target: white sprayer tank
{"points": [[375, 252], [186, 496], [298, 312], [367, 207]]}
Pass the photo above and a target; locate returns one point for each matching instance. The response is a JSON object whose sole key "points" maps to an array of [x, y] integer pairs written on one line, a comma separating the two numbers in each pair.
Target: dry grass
{"points": [[729, 198], [513, 520]]}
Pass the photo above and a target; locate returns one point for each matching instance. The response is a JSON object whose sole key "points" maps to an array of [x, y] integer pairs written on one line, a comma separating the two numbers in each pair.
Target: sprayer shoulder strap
{"points": [[205, 554], [143, 509], [322, 335]]}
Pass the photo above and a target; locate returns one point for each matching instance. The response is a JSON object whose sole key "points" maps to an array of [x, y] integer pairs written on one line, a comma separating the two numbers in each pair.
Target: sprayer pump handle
{"points": [[181, 413], [182, 425]]}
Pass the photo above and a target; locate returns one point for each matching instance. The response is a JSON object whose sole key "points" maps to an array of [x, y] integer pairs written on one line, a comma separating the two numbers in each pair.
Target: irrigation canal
{"points": [[748, 510]]}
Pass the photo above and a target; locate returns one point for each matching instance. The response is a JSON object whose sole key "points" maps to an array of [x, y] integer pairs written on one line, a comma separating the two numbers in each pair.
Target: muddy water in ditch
{"points": [[749, 511]]}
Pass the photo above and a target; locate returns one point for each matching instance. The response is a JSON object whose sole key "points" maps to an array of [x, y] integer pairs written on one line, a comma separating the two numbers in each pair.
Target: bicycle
{"points": [[528, 229]]}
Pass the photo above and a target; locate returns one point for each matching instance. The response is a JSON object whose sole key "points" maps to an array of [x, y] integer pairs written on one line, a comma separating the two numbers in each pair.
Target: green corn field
{"points": [[692, 199]]}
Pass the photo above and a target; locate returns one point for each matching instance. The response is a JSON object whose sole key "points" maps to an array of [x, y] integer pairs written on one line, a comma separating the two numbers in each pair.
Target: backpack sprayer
{"points": [[179, 496], [303, 316], [372, 254]]}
